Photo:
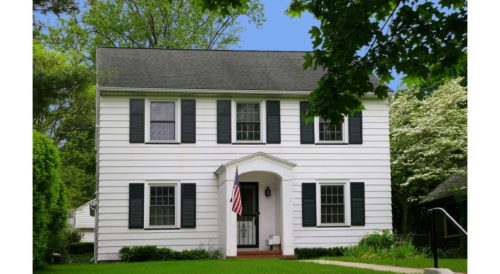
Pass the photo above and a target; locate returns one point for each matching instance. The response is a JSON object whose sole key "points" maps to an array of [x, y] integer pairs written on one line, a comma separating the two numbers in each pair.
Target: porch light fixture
{"points": [[267, 192]]}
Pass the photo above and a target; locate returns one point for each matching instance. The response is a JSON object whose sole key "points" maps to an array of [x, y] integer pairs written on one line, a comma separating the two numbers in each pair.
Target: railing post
{"points": [[434, 238]]}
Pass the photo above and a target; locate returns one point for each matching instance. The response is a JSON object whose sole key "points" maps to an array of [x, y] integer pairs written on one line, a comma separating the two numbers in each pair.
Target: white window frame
{"points": [[147, 195], [345, 133], [347, 201], [147, 116], [262, 120]]}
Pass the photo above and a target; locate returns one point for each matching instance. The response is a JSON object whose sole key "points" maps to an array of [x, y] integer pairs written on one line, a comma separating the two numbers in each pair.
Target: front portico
{"points": [[258, 172]]}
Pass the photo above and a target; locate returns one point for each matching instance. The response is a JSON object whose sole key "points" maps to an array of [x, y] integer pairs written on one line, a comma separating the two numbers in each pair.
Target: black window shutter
{"points": [[308, 204], [357, 204], [306, 129], [188, 121], [188, 205], [136, 206], [273, 122], [356, 128], [223, 121], [136, 128]]}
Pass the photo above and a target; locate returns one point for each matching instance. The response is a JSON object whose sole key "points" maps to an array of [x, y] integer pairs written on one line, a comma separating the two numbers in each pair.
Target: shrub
{"points": [[308, 253], [383, 245], [81, 248], [153, 253], [403, 251], [49, 203], [385, 240]]}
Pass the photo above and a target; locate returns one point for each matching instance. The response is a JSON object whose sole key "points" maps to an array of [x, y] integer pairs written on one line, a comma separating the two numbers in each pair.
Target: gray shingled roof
{"points": [[204, 69], [454, 184]]}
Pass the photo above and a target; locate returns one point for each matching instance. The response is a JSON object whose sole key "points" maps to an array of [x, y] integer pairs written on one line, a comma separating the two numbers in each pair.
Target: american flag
{"points": [[237, 207]]}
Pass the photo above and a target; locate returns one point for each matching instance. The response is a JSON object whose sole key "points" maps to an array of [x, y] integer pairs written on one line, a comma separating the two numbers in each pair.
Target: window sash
{"points": [[328, 132], [162, 206], [162, 121], [248, 126], [332, 204]]}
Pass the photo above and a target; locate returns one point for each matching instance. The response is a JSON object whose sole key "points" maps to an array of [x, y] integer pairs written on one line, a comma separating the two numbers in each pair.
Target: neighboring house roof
{"points": [[205, 69], [83, 205], [454, 184]]}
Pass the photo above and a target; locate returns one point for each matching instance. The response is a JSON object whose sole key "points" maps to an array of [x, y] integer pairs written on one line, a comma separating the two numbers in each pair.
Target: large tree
{"points": [[165, 24], [424, 40], [428, 144]]}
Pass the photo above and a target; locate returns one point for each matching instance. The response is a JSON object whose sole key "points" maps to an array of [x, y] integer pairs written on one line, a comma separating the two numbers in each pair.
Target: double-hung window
{"points": [[162, 121], [248, 121], [326, 132], [333, 203], [162, 205]]}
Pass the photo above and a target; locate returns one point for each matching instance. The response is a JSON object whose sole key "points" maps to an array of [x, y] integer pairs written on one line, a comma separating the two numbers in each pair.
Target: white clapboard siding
{"points": [[122, 163], [83, 220]]}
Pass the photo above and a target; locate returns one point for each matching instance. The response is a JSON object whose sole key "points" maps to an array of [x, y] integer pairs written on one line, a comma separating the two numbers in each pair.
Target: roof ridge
{"points": [[210, 50]]}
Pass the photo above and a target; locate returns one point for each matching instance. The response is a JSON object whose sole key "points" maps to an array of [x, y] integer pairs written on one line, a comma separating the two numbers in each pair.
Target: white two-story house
{"points": [[174, 125]]}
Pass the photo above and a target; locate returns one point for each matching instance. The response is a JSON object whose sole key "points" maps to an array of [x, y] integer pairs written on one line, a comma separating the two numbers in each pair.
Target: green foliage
{"points": [[56, 76], [55, 6], [81, 248], [149, 23], [382, 245], [384, 240], [64, 108], [316, 252], [224, 6], [49, 203], [425, 40], [153, 253], [428, 144]]}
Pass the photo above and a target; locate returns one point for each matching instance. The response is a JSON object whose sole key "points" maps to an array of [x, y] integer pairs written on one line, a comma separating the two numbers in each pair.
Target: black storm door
{"points": [[248, 222]]}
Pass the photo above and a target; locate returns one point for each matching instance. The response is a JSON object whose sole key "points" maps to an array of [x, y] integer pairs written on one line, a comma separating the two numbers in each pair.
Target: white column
{"points": [[222, 215], [287, 245], [231, 235]]}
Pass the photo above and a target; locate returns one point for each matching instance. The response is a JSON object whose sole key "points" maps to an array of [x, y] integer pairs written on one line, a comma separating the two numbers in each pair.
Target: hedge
{"points": [[309, 253], [153, 253], [49, 203]]}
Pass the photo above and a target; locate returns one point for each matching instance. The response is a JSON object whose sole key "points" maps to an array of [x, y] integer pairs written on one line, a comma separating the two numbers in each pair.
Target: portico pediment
{"points": [[258, 161]]}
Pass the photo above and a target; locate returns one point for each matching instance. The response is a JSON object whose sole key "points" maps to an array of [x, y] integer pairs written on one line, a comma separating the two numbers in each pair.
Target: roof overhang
{"points": [[132, 91]]}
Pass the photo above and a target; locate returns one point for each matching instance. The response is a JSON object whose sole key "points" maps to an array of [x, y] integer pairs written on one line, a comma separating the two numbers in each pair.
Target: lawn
{"points": [[459, 265], [205, 267]]}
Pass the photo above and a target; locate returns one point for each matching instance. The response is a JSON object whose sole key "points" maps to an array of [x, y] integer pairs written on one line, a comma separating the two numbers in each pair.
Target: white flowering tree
{"points": [[428, 144]]}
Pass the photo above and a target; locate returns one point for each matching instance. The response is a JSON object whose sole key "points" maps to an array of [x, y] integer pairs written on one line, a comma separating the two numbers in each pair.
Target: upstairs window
{"points": [[162, 121], [329, 132], [248, 125]]}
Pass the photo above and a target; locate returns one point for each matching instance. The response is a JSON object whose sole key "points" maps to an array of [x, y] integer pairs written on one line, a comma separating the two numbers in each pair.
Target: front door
{"points": [[248, 222]]}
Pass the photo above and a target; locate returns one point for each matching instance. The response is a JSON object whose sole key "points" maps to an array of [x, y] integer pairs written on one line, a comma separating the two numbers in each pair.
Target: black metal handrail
{"points": [[434, 232]]}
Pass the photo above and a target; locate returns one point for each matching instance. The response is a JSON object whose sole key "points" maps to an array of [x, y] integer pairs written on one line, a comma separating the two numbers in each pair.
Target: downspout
{"points": [[97, 134]]}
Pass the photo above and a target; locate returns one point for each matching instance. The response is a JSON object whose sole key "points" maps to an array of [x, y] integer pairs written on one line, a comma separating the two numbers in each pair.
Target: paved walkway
{"points": [[389, 268]]}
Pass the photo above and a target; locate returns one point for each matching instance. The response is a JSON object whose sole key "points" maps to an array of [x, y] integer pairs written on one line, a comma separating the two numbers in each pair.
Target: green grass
{"points": [[205, 267], [459, 265]]}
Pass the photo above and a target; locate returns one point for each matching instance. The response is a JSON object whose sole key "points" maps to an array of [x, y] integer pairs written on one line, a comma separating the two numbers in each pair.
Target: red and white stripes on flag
{"points": [[237, 207]]}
